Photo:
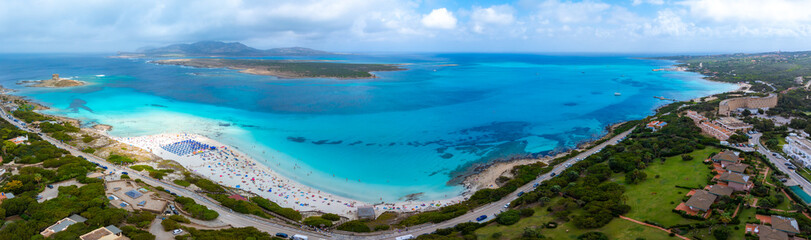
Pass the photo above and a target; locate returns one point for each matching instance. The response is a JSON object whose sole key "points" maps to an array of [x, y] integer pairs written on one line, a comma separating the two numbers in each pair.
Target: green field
{"points": [[616, 229], [651, 199]]}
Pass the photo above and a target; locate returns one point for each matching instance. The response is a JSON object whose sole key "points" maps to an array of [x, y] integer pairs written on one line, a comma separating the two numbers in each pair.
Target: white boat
{"points": [[617, 94]]}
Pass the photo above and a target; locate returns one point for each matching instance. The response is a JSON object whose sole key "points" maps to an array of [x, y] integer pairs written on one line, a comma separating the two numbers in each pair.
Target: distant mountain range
{"points": [[222, 49]]}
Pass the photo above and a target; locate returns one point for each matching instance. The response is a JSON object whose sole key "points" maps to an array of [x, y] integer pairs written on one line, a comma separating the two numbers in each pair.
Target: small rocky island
{"points": [[54, 82]]}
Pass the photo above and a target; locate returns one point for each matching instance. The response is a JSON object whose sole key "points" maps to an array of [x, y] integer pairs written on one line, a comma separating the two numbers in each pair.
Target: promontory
{"points": [[288, 68], [55, 82]]}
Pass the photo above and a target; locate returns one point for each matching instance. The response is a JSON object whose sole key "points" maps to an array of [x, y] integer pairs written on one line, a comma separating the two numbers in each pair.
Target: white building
{"points": [[799, 149]]}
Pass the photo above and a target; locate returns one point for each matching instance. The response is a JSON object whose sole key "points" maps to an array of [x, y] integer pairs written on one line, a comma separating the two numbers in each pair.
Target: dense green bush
{"points": [[508, 217], [317, 222], [331, 216], [118, 159], [288, 213], [354, 226], [239, 206], [225, 234], [196, 210]]}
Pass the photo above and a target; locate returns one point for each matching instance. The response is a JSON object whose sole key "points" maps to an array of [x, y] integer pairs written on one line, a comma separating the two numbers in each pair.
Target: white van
{"points": [[405, 237], [299, 237]]}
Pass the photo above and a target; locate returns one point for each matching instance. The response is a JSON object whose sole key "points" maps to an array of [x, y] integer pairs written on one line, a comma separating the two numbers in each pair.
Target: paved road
{"points": [[243, 220], [494, 208], [780, 163]]}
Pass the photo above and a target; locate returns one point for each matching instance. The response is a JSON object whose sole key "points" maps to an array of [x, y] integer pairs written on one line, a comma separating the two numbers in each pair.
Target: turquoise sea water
{"points": [[405, 132]]}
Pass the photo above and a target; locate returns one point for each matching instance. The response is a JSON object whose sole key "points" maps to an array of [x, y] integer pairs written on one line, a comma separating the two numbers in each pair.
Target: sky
{"points": [[590, 26]]}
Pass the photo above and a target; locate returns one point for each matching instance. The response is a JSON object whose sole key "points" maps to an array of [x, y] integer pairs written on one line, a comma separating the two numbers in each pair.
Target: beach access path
{"points": [[243, 220]]}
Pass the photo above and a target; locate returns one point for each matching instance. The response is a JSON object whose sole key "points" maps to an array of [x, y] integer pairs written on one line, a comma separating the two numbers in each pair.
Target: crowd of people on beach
{"points": [[231, 168]]}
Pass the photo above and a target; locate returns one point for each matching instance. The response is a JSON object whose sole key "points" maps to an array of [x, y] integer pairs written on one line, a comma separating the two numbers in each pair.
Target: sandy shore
{"points": [[232, 168]]}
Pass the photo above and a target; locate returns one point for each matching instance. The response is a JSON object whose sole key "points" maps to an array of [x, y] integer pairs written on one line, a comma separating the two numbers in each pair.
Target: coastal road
{"points": [[227, 217], [495, 208], [779, 162]]}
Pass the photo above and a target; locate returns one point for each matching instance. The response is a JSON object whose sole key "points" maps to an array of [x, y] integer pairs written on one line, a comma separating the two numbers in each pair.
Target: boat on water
{"points": [[617, 94]]}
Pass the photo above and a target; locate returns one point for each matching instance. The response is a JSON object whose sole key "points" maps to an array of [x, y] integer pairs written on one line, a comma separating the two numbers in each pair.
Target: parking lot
{"points": [[51, 193]]}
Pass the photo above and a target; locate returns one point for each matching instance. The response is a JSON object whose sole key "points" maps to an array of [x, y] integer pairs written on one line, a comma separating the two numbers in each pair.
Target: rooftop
{"points": [[701, 200], [738, 167], [734, 177], [768, 233], [728, 156], [721, 190], [785, 224]]}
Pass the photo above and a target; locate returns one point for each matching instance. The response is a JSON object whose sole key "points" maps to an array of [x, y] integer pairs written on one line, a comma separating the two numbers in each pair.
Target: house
{"points": [[736, 181], [656, 125], [19, 140], [104, 233], [737, 168], [366, 212], [63, 224], [4, 196], [701, 201], [726, 157], [765, 232], [721, 190], [785, 224], [799, 149]]}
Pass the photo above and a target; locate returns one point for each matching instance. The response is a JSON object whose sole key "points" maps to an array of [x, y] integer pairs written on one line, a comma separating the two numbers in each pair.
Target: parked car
{"points": [[552, 175], [507, 205], [282, 235], [124, 173], [50, 186], [177, 231], [300, 237], [520, 193], [791, 167], [480, 218]]}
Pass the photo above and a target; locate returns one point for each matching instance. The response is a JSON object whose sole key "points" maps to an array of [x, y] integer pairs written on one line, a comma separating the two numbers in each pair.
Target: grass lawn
{"points": [[616, 229], [651, 199]]}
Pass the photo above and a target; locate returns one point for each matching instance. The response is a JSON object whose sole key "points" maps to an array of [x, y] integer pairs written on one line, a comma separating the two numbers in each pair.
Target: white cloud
{"points": [[498, 16], [667, 22], [654, 2], [439, 18], [572, 12], [751, 10]]}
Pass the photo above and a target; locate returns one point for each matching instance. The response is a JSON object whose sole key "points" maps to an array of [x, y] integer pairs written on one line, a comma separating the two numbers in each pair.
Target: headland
{"points": [[54, 82], [288, 68]]}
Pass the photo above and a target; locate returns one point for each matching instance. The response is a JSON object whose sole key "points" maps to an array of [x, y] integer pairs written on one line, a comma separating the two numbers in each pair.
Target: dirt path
{"points": [[653, 226]]}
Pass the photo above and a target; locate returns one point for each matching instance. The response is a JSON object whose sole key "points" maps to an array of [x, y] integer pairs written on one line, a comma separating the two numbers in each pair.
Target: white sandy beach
{"points": [[232, 168]]}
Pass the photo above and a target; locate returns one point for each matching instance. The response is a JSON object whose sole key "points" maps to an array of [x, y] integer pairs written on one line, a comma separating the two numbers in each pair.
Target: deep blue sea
{"points": [[405, 132]]}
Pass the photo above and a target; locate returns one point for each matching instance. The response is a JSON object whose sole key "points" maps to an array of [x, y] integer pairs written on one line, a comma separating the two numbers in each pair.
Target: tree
{"points": [[686, 157], [37, 177], [746, 113], [592, 236], [721, 233], [635, 176], [725, 217], [13, 185], [509, 217]]}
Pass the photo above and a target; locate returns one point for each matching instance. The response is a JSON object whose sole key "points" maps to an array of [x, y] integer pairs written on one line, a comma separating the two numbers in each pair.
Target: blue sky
{"points": [[620, 26]]}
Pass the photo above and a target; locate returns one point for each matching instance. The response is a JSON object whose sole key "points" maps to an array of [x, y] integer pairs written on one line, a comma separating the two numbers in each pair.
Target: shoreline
{"points": [[299, 194], [234, 169]]}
